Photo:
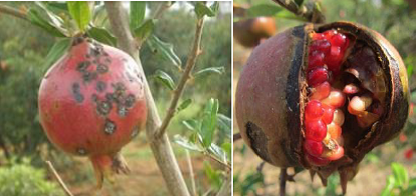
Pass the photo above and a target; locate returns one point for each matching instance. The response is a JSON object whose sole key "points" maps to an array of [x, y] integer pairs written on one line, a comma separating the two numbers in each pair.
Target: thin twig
{"points": [[236, 136], [190, 64], [228, 166], [225, 189], [13, 11], [191, 173], [309, 11], [283, 177], [59, 179], [163, 6]]}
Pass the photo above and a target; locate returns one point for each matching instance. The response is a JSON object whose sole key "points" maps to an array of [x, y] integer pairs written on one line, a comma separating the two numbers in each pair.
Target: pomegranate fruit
{"points": [[91, 103], [250, 32], [321, 97]]}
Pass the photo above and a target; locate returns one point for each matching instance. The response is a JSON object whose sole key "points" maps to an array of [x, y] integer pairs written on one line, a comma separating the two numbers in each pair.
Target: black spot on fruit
{"points": [[104, 107], [101, 86], [101, 69], [79, 98], [109, 127]]}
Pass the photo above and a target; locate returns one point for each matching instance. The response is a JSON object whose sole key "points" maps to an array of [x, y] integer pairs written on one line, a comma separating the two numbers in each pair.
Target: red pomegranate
{"points": [[92, 103]]}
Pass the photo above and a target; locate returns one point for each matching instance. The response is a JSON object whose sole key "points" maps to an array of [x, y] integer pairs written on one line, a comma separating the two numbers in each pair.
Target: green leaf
{"points": [[191, 124], [217, 152], [389, 186], [227, 149], [224, 124], [165, 49], [36, 19], [102, 35], [80, 12], [201, 9], [411, 189], [400, 174], [285, 14], [137, 13], [214, 177], [99, 16], [209, 70], [299, 2], [54, 19], [186, 143], [165, 79], [145, 30], [263, 10], [57, 51], [209, 121], [184, 105]]}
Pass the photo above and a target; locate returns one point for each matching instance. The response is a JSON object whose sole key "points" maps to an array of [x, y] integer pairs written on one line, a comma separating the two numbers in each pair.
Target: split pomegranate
{"points": [[91, 103], [321, 97]]}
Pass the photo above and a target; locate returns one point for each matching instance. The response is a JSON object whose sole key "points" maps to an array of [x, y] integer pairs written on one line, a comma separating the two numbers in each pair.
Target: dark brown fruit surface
{"points": [[274, 90]]}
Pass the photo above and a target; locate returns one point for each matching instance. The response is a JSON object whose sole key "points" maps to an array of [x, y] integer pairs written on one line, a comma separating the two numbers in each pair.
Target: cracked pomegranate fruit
{"points": [[321, 97], [91, 103]]}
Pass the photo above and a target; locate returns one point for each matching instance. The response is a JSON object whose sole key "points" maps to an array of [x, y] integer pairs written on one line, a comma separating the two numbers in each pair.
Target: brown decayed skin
{"points": [[91, 102], [261, 99]]}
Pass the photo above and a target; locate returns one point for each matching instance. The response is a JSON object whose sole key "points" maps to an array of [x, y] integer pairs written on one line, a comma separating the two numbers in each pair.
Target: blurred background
{"points": [[395, 19], [24, 147]]}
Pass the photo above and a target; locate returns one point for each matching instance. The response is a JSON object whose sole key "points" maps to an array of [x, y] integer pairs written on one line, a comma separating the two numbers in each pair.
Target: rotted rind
{"points": [[269, 96], [264, 101]]}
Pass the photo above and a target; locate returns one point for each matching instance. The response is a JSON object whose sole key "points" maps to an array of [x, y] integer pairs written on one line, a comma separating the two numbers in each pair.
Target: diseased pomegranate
{"points": [[91, 103], [321, 97]]}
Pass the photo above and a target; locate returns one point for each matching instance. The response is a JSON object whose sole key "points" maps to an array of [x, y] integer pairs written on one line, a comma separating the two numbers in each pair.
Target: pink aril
{"points": [[321, 91]]}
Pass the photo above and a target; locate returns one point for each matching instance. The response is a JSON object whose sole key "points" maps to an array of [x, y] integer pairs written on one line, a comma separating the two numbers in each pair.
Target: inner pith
{"points": [[345, 83]]}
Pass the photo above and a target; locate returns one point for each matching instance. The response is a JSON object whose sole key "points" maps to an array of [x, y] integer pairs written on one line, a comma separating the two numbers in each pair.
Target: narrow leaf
{"points": [[165, 49], [224, 124], [57, 51], [217, 152], [201, 10], [263, 10], [400, 174], [165, 79], [186, 143], [80, 12], [227, 149], [137, 13], [36, 19], [145, 30], [191, 124], [54, 19], [209, 121], [184, 105], [102, 35], [389, 186], [209, 70]]}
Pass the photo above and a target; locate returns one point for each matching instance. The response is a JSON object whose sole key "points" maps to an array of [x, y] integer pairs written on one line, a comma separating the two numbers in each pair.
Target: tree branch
{"points": [[190, 64], [160, 146], [236, 136], [218, 161], [191, 173], [283, 177], [13, 12], [163, 6], [58, 178], [309, 11]]}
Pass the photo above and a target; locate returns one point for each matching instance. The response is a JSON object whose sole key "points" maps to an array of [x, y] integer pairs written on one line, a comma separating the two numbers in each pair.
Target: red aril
{"points": [[315, 130], [314, 148], [317, 76], [321, 91]]}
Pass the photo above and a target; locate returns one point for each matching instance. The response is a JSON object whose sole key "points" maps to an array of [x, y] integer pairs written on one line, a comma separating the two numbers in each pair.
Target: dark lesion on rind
{"points": [[101, 86], [109, 127], [81, 151], [258, 140], [79, 98]]}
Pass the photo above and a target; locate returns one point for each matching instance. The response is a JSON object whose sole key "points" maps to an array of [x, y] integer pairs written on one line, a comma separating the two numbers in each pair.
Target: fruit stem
{"points": [[106, 165]]}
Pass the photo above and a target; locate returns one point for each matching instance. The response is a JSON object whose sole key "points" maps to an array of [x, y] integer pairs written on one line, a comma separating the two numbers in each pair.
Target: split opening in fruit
{"points": [[346, 94]]}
